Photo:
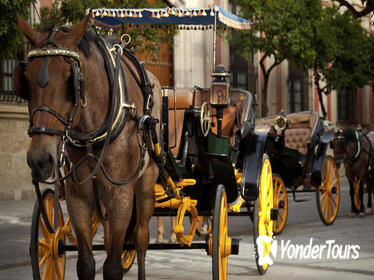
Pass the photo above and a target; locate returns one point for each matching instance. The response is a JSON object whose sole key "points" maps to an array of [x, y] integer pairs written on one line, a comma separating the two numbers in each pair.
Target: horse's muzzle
{"points": [[42, 164]]}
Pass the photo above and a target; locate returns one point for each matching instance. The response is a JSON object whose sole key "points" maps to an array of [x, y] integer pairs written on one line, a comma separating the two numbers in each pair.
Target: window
{"points": [[347, 102], [7, 67], [6, 82], [297, 97]]}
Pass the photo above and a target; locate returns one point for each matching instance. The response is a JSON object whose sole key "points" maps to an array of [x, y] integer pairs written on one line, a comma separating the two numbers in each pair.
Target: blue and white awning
{"points": [[173, 16]]}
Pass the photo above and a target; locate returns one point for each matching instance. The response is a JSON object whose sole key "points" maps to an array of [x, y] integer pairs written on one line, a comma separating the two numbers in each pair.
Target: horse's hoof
{"points": [[204, 229], [352, 214], [160, 240], [172, 241], [368, 211], [361, 214], [173, 238]]}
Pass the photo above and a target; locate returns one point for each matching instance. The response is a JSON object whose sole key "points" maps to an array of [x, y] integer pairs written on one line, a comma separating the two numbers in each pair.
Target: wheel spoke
{"points": [[324, 204], [333, 201], [322, 196], [46, 234], [58, 270], [47, 270], [328, 209], [50, 212], [44, 259]]}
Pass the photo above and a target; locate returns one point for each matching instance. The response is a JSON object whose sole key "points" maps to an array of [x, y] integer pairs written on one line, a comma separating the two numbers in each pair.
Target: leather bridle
{"points": [[52, 49]]}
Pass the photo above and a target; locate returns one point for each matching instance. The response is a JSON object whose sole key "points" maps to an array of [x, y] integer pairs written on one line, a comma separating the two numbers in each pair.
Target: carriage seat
{"points": [[234, 116], [184, 98], [300, 130], [177, 105]]}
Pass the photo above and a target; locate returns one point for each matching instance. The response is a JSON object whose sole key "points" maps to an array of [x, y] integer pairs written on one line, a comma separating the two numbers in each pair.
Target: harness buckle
{"points": [[147, 107], [131, 108]]}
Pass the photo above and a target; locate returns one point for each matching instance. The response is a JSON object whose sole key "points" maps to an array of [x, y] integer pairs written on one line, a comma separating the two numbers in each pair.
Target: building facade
{"points": [[188, 63], [293, 90]]}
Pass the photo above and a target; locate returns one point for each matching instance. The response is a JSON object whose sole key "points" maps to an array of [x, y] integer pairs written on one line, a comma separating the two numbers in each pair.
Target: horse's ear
{"points": [[20, 83], [78, 31], [27, 30]]}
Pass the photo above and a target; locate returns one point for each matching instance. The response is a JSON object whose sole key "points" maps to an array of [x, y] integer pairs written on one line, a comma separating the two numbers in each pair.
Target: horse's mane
{"points": [[84, 44], [350, 134]]}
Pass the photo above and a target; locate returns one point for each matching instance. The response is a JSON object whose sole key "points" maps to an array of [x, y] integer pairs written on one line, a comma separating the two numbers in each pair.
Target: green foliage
{"points": [[338, 49], [72, 11], [10, 38], [282, 30], [282, 27], [353, 65]]}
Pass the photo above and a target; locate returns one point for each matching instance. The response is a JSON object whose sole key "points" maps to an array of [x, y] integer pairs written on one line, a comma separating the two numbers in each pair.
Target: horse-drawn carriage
{"points": [[297, 146], [200, 142]]}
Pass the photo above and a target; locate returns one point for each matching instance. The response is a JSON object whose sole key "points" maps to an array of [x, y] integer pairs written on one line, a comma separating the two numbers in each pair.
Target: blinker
{"points": [[43, 77]]}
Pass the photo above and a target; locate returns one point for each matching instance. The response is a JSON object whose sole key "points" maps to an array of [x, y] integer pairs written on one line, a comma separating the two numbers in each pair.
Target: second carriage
{"points": [[297, 146]]}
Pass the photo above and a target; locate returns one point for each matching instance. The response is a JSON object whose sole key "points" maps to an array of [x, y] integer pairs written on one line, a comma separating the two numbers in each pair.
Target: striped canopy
{"points": [[174, 16]]}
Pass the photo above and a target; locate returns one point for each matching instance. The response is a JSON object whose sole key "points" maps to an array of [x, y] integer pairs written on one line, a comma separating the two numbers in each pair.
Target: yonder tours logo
{"points": [[268, 250]]}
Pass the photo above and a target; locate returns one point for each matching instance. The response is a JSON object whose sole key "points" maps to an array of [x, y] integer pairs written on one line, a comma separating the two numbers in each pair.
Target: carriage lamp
{"points": [[219, 91], [281, 122]]}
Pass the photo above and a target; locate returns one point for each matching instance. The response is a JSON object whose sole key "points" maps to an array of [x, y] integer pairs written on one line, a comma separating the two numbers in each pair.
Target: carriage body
{"points": [[298, 155], [210, 159]]}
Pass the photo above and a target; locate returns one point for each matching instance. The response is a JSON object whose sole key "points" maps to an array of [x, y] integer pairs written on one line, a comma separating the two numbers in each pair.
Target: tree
{"points": [[72, 11], [10, 39], [282, 29], [340, 64], [357, 13], [353, 65]]}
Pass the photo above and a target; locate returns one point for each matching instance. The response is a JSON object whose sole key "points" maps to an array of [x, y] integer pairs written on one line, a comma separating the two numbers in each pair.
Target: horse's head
{"points": [[338, 143], [346, 143], [49, 82]]}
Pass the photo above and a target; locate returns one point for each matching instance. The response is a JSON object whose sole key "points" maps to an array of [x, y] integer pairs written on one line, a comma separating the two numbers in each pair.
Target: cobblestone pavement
{"points": [[303, 223]]}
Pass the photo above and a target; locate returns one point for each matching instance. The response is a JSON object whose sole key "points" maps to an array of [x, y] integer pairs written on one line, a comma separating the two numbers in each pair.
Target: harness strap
{"points": [[370, 152], [43, 77], [110, 121], [145, 85]]}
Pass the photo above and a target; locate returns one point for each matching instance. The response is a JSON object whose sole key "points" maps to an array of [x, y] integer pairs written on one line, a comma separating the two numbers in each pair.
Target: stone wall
{"points": [[15, 177]]}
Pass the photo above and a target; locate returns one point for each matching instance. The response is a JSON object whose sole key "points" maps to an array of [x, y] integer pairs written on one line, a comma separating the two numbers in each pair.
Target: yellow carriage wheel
{"points": [[128, 257], [328, 193], [262, 222], [280, 201], [356, 195], [47, 257], [220, 243]]}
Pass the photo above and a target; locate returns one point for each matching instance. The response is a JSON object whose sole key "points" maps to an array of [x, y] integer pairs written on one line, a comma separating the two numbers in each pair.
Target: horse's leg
{"points": [[354, 210], [369, 186], [145, 200], [361, 195], [119, 208], [160, 230], [80, 211]]}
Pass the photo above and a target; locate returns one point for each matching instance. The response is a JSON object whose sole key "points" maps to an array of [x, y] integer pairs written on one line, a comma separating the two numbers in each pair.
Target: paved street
{"points": [[303, 223]]}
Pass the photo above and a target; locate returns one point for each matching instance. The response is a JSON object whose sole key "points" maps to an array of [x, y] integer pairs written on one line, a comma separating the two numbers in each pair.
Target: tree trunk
{"points": [[266, 73], [317, 77]]}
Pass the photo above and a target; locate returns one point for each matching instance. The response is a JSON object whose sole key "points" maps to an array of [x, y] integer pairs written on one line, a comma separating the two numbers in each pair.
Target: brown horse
{"points": [[355, 148], [50, 84]]}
